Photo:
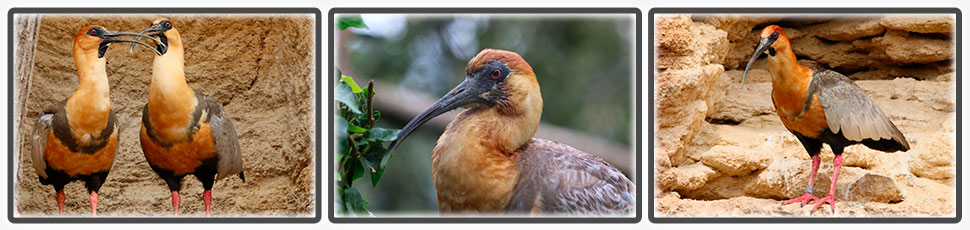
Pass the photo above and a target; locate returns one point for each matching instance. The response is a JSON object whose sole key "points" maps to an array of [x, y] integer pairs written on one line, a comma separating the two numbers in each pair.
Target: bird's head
{"points": [[94, 40], [164, 29], [494, 79], [773, 38]]}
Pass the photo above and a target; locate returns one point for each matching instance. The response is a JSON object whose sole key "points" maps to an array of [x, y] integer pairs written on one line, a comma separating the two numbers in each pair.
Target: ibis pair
{"points": [[182, 132]]}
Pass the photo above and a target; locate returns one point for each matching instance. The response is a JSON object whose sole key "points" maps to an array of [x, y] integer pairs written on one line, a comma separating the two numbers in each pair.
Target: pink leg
{"points": [[207, 198], [60, 202], [830, 199], [176, 199], [808, 197], [94, 203]]}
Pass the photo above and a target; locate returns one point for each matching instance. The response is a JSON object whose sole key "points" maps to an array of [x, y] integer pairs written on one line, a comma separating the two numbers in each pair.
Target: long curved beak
{"points": [[465, 93], [154, 29], [765, 44], [112, 36]]}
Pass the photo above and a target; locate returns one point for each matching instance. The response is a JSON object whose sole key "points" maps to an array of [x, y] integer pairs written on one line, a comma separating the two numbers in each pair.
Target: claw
{"points": [[802, 200], [827, 199]]}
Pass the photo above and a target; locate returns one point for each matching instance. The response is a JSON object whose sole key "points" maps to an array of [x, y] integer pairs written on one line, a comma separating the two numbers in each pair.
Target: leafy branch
{"points": [[361, 146]]}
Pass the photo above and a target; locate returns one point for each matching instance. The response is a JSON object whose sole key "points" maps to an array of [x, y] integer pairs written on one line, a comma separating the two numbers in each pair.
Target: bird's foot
{"points": [[94, 203], [60, 202], [830, 199], [207, 200], [176, 199], [804, 199]]}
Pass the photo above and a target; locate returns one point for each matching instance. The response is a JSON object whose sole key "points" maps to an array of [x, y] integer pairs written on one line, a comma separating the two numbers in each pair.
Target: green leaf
{"points": [[343, 94], [342, 147], [358, 171], [355, 129], [381, 134], [355, 21], [370, 162], [353, 85], [339, 201], [353, 201]]}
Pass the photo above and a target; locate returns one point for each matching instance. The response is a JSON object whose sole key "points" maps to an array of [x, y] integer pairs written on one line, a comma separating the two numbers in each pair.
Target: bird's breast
{"points": [[810, 122], [183, 157], [60, 157], [469, 175], [170, 112]]}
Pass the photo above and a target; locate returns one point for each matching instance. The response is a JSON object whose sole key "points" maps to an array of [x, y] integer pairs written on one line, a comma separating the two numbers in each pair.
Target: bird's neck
{"points": [[90, 104], [170, 99], [92, 91], [168, 75], [786, 73], [790, 82]]}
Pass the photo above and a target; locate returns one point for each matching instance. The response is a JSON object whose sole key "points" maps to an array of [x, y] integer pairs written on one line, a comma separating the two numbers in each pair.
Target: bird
{"points": [[184, 132], [487, 160], [77, 138], [822, 106]]}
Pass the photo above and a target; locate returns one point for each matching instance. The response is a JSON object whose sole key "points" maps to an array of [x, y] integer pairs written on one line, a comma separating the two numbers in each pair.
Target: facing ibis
{"points": [[77, 138], [822, 106], [184, 132], [487, 160]]}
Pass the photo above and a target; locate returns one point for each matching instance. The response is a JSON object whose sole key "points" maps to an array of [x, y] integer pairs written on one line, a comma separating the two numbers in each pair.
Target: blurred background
{"points": [[584, 65]]}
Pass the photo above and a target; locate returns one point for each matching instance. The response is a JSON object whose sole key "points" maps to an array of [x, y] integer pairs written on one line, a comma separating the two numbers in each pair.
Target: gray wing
{"points": [[39, 140], [848, 109], [558, 179], [41, 131], [226, 141]]}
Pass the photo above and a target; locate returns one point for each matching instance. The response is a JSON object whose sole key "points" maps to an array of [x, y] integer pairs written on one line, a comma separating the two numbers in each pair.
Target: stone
{"points": [[846, 29], [873, 188], [903, 47], [920, 23], [692, 176], [673, 34], [735, 161], [783, 179], [933, 157], [707, 45]]}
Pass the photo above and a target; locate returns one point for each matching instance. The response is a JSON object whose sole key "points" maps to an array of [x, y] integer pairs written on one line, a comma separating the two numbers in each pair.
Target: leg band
{"points": [[809, 189]]}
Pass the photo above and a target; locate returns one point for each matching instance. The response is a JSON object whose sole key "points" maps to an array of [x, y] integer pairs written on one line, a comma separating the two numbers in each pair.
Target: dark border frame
{"points": [[10, 73], [797, 11], [638, 71]]}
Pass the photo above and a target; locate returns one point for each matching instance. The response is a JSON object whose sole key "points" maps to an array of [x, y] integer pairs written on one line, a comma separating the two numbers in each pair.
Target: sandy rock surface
{"points": [[259, 67], [721, 149]]}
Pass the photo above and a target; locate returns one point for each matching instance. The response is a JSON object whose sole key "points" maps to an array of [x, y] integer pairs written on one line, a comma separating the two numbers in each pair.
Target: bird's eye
{"points": [[93, 32], [168, 25], [774, 35], [496, 74]]}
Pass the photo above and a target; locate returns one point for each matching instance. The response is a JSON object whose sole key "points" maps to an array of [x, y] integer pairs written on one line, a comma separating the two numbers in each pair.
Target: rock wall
{"points": [[722, 150], [260, 67]]}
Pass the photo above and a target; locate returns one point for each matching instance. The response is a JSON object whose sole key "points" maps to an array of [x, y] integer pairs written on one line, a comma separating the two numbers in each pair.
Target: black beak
{"points": [[161, 42], [112, 36], [469, 91], [765, 44]]}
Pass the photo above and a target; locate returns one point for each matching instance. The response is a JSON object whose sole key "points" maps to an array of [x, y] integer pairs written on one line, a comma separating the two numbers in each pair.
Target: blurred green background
{"points": [[584, 65]]}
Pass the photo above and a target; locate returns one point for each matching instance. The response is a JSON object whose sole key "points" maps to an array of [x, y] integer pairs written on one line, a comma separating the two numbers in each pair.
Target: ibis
{"points": [[487, 160], [184, 132], [822, 106], [77, 138]]}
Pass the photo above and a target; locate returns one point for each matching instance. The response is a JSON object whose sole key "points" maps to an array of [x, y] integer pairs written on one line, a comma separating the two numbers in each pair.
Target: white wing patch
{"points": [[41, 131]]}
